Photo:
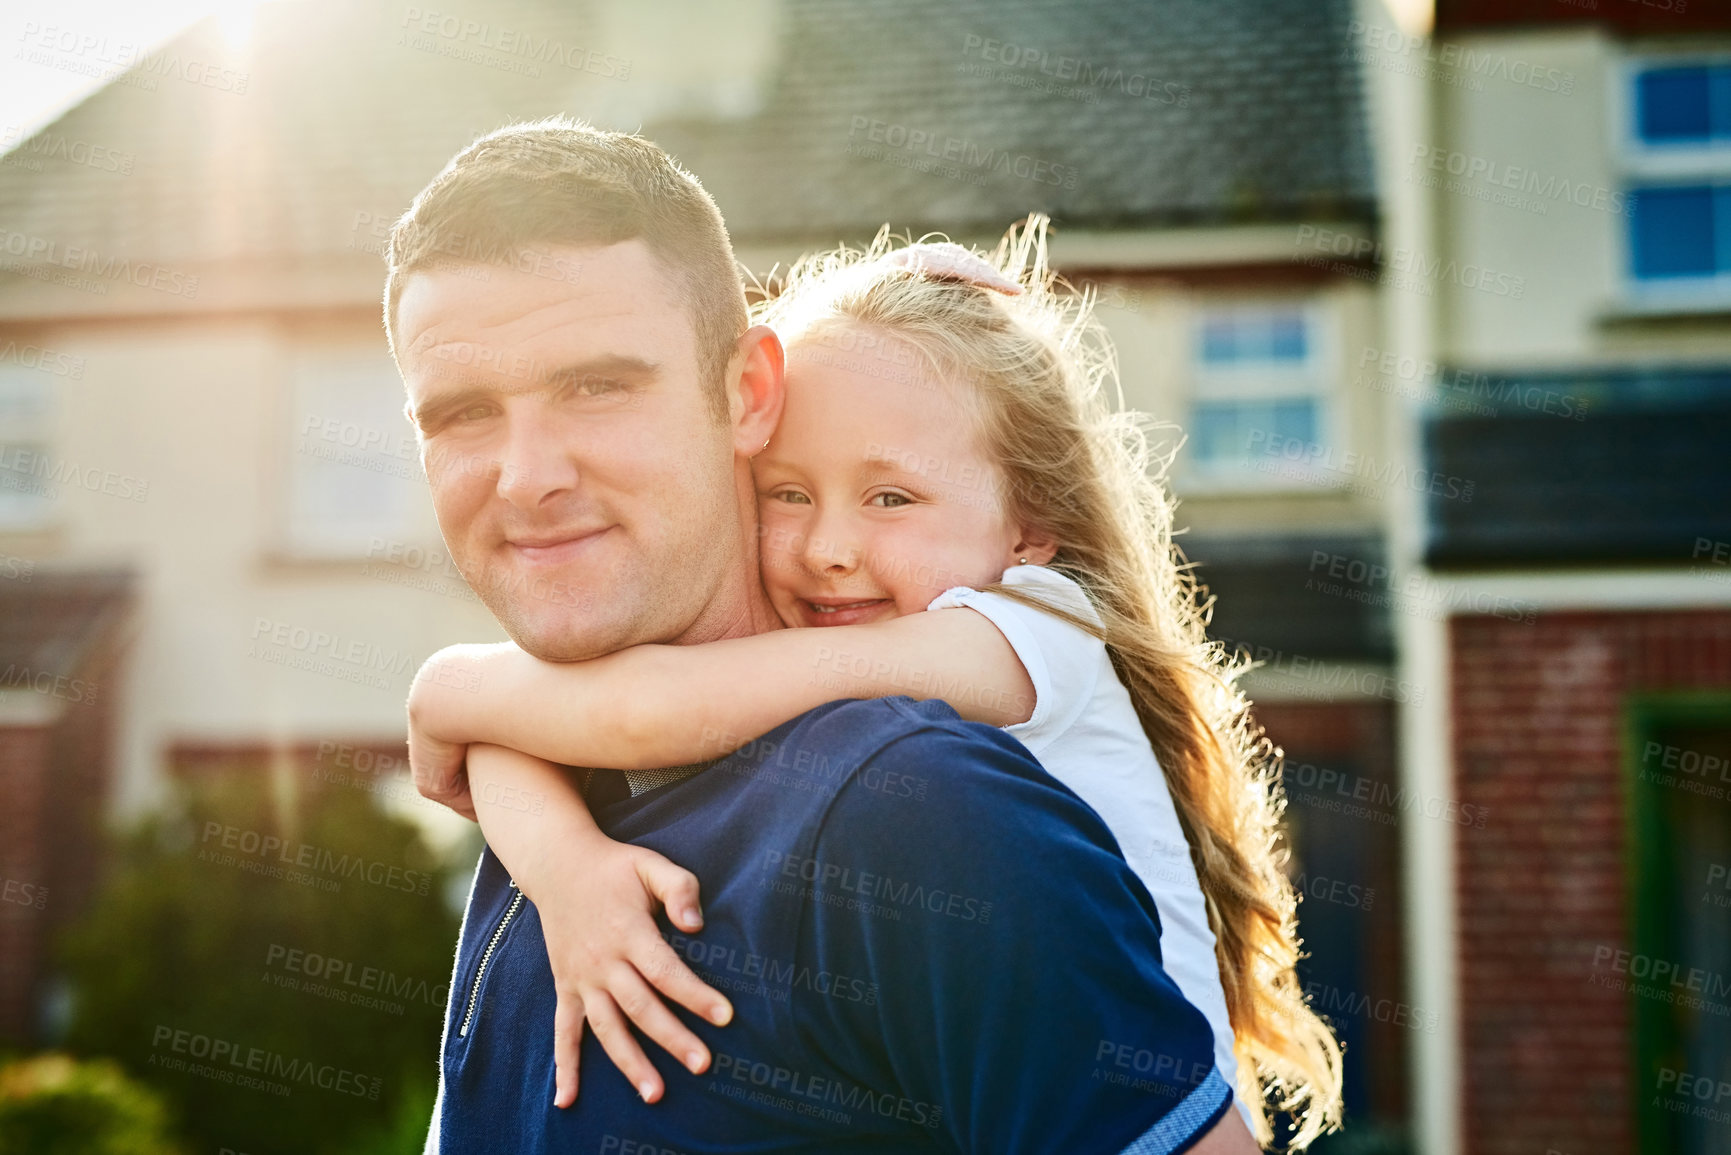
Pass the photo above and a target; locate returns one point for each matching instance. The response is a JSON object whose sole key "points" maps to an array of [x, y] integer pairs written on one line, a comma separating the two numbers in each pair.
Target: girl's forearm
{"points": [[652, 706], [531, 814]]}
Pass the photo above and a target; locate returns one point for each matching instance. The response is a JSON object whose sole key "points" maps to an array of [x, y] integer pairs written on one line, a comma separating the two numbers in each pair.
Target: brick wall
{"points": [[24, 760], [1353, 740], [54, 785], [1538, 716]]}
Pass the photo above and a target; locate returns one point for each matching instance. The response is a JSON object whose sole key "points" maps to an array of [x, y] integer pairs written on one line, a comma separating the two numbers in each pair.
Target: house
{"points": [[1574, 944]]}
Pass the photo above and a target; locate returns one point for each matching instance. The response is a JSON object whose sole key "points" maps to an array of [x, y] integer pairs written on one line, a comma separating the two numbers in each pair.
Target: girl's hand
{"points": [[439, 770], [446, 688], [610, 964]]}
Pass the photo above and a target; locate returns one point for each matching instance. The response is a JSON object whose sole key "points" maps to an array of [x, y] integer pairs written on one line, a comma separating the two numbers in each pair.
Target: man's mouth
{"points": [[840, 612], [555, 548]]}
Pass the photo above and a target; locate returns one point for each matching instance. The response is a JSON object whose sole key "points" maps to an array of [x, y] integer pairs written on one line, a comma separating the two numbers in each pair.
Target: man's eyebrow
{"points": [[632, 370]]}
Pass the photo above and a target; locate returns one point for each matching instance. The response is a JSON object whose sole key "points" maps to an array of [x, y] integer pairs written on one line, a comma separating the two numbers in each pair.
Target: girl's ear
{"points": [[1035, 546]]}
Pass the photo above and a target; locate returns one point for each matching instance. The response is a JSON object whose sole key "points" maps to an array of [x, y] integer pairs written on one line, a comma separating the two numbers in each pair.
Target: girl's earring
{"points": [[1024, 561]]}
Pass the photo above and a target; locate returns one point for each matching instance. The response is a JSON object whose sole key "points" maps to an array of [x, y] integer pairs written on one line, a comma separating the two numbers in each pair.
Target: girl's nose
{"points": [[829, 549]]}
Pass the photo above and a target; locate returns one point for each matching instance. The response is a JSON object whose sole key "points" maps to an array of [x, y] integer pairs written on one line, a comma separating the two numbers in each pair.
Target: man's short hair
{"points": [[561, 182]]}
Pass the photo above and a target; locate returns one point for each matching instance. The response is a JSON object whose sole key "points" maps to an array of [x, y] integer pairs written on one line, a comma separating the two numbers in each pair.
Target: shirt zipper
{"points": [[487, 957]]}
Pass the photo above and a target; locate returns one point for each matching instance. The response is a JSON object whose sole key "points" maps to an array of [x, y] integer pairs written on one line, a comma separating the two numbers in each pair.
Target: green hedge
{"points": [[276, 974]]}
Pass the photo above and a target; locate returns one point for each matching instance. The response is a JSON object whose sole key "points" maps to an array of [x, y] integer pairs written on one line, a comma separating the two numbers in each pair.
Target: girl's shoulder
{"points": [[1053, 588]]}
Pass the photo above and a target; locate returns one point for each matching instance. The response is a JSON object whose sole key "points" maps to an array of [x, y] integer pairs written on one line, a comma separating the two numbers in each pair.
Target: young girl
{"points": [[950, 496]]}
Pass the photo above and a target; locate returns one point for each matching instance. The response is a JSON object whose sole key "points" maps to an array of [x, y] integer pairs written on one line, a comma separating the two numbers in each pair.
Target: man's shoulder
{"points": [[863, 774], [869, 727], [825, 746], [921, 781], [869, 746]]}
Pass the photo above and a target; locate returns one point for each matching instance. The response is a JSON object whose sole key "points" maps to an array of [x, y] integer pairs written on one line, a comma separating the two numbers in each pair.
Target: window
{"points": [[1679, 843], [353, 477], [27, 467], [1677, 151], [1258, 386]]}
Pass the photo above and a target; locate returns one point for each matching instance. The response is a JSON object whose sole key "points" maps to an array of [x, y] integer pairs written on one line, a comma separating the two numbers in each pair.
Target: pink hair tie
{"points": [[948, 261]]}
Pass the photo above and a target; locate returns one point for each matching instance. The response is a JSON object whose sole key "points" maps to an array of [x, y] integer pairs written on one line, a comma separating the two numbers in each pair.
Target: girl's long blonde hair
{"points": [[1076, 465]]}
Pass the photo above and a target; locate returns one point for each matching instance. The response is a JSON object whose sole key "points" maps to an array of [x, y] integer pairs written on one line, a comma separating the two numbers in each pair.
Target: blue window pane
{"points": [[1673, 105], [1215, 433], [1722, 228], [1256, 337], [1295, 420], [1240, 432], [1218, 343], [1719, 97], [1671, 232], [1288, 337], [1253, 341]]}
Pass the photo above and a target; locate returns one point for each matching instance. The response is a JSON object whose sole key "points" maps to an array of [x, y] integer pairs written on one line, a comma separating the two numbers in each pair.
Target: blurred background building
{"points": [[1445, 322]]}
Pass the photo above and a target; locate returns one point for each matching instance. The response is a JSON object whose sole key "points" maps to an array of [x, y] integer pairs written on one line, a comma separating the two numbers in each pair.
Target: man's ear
{"points": [[1037, 546], [756, 394]]}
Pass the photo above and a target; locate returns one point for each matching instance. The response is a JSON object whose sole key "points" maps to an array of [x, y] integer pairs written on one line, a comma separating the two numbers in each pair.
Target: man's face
{"points": [[582, 483]]}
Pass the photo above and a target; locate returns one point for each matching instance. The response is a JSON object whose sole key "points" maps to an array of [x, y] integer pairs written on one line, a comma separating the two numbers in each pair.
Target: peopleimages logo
{"points": [[228, 1060], [836, 877], [360, 985], [20, 146], [261, 853], [1413, 268], [47, 252], [801, 1091], [969, 157]]}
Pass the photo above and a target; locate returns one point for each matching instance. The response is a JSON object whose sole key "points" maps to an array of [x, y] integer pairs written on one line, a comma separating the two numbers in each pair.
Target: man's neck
{"points": [[740, 608]]}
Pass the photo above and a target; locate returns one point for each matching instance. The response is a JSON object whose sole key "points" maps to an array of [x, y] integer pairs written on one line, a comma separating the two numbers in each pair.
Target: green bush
{"points": [[277, 974], [54, 1105]]}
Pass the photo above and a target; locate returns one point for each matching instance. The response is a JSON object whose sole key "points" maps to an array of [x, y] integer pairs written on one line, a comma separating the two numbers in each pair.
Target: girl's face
{"points": [[875, 495]]}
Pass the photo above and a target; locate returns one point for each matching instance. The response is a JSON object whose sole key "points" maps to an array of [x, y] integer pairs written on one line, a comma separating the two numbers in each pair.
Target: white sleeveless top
{"points": [[1086, 734]]}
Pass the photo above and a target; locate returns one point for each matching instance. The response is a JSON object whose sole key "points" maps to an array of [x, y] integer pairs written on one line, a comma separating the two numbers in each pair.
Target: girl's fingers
{"points": [[616, 1039], [567, 1048], [639, 1001], [657, 962], [675, 888]]}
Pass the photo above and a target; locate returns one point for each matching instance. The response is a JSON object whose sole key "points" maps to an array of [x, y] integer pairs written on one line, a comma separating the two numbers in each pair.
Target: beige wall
{"points": [[201, 411], [1574, 307]]}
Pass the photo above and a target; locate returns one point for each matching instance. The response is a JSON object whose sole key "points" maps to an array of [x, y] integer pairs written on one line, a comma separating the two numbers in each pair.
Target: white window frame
{"points": [[1641, 164], [1255, 383], [37, 433], [382, 459]]}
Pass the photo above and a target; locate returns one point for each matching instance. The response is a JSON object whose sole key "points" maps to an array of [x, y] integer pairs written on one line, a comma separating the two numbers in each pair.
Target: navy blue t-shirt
{"points": [[930, 943]]}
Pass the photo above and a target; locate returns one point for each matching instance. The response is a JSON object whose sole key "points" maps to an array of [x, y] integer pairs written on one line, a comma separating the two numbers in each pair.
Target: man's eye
{"points": [[473, 413], [891, 500], [595, 386]]}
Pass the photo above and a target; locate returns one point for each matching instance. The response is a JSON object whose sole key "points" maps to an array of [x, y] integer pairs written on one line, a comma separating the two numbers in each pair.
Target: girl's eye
{"points": [[890, 500], [791, 496]]}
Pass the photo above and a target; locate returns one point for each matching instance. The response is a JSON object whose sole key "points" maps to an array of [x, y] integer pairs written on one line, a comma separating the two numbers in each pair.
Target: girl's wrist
{"points": [[566, 858]]}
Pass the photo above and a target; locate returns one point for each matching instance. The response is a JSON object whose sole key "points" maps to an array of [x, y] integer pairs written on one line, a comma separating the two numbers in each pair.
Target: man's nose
{"points": [[534, 463]]}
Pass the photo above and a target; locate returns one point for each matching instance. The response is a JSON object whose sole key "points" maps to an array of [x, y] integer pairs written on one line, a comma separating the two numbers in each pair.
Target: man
{"points": [[932, 944]]}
